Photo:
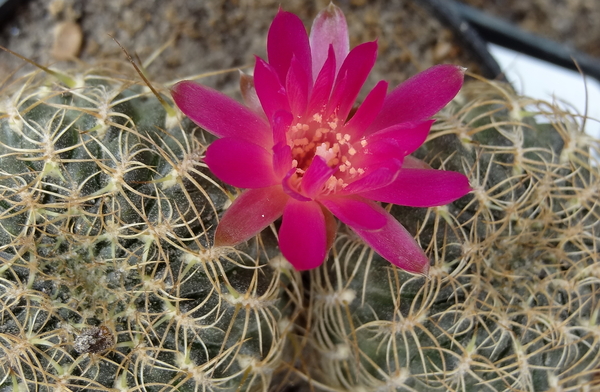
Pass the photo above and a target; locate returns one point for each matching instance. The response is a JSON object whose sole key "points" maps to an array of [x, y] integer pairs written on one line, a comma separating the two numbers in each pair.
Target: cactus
{"points": [[512, 300], [107, 279]]}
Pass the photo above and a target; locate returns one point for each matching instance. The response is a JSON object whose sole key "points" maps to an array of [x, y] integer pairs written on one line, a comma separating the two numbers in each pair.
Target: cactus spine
{"points": [[107, 279], [513, 297]]}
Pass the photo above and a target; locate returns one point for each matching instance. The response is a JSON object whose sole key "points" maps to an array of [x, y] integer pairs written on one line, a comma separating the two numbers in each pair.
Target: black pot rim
{"points": [[467, 36]]}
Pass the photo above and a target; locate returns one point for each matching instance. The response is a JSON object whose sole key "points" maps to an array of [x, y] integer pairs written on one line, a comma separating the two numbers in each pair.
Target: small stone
{"points": [[442, 50], [55, 7], [67, 41]]}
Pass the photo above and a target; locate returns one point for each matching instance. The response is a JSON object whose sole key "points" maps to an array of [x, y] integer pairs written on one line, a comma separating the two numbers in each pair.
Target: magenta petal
{"points": [[249, 93], [328, 28], [281, 121], [297, 86], [367, 111], [315, 177], [290, 187], [219, 114], [241, 163], [422, 188], [355, 211], [270, 91], [375, 177], [404, 138], [330, 225], [395, 244], [382, 150], [282, 159], [323, 85], [287, 38], [351, 77], [251, 212], [303, 235], [420, 97], [411, 162]]}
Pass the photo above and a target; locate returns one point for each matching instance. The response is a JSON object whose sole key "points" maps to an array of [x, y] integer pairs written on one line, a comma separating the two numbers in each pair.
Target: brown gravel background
{"points": [[211, 35], [208, 35], [572, 22]]}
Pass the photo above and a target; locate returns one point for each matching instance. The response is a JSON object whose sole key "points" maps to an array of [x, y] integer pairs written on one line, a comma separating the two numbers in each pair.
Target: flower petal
{"points": [[220, 115], [282, 159], [282, 152], [375, 177], [420, 97], [404, 138], [422, 188], [328, 28], [249, 93], [395, 244], [241, 163], [355, 211], [351, 77], [297, 86], [315, 177], [269, 89], [303, 235], [367, 111], [287, 38], [251, 212], [330, 225], [323, 85], [290, 186], [281, 121], [411, 162]]}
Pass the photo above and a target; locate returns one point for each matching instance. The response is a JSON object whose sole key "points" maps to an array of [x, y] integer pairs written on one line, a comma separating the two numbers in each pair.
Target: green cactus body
{"points": [[107, 279], [513, 298]]}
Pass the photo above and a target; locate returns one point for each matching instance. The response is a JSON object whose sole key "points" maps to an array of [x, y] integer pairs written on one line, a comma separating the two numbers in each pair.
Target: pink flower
{"points": [[302, 154]]}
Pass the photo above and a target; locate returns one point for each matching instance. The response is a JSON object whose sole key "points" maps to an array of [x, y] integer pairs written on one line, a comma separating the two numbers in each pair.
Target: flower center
{"points": [[316, 136]]}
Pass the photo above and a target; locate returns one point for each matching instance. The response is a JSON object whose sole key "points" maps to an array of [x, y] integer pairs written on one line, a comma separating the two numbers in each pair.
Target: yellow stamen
{"points": [[331, 183]]}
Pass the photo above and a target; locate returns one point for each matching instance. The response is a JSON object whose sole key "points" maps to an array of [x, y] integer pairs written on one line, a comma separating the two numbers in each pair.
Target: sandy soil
{"points": [[199, 36]]}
